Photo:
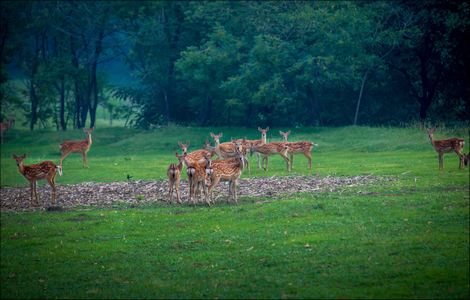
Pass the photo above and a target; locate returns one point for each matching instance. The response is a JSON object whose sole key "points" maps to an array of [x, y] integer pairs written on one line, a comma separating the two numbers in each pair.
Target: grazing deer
{"points": [[446, 146], [228, 170], [302, 147], [174, 176], [197, 177], [44, 170], [272, 148], [4, 126], [82, 147], [195, 155]]}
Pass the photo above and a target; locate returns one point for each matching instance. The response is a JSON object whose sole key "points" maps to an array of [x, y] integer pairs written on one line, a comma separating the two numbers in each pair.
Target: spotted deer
{"points": [[228, 170], [302, 147], [446, 146], [193, 156], [174, 175], [44, 170], [272, 148], [5, 126], [82, 147], [197, 177]]}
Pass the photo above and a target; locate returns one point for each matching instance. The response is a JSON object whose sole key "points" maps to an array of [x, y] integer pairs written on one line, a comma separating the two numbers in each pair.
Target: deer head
{"points": [[263, 133], [19, 159], [184, 147], [285, 135], [216, 138]]}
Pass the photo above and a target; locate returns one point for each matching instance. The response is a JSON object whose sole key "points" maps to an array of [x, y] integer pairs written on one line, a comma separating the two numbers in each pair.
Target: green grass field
{"points": [[408, 238]]}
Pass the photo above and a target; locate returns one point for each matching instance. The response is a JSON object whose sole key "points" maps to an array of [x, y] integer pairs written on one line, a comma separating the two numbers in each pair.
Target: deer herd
{"points": [[203, 173]]}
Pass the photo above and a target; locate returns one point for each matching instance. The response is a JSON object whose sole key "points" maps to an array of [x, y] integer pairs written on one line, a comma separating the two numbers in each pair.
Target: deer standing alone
{"points": [[174, 176], [302, 147], [446, 146], [228, 170], [33, 173], [82, 147]]}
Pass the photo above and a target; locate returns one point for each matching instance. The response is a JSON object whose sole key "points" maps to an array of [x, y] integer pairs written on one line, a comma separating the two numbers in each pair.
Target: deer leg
{"points": [[291, 157], [266, 162], [36, 192], [204, 187], [286, 159], [230, 193], [31, 185], [85, 163], [177, 187], [308, 155], [170, 190], [459, 154], [258, 156], [214, 182], [52, 184], [441, 161], [234, 190]]}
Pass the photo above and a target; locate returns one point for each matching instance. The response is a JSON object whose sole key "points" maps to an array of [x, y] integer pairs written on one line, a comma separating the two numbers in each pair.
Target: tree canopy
{"points": [[247, 63]]}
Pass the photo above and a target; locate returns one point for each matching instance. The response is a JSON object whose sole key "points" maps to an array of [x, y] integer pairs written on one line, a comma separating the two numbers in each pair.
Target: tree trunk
{"points": [[63, 123], [77, 92], [32, 90], [93, 80], [34, 105], [364, 79], [167, 107]]}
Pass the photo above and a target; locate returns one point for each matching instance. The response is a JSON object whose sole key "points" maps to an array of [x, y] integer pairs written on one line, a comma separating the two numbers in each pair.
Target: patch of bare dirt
{"points": [[143, 191]]}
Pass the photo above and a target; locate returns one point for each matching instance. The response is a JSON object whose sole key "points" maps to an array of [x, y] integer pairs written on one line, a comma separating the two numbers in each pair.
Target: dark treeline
{"points": [[239, 63]]}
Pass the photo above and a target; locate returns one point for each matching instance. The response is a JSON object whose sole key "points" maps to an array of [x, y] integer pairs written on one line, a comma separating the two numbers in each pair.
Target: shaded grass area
{"points": [[117, 152], [407, 238], [320, 246]]}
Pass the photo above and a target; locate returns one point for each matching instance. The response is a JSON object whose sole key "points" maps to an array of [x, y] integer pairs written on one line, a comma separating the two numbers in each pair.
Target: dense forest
{"points": [[241, 63]]}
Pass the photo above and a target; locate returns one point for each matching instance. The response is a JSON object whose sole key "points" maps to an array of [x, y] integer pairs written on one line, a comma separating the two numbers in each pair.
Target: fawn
{"points": [[44, 170], [446, 146], [197, 177], [228, 170], [174, 175], [302, 147], [195, 155], [4, 126], [272, 148], [82, 147]]}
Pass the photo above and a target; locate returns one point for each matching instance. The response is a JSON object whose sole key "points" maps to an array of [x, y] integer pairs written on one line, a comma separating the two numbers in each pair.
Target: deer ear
{"points": [[259, 128], [176, 154], [23, 156], [220, 134], [179, 143], [288, 132], [281, 133], [14, 156], [212, 135]]}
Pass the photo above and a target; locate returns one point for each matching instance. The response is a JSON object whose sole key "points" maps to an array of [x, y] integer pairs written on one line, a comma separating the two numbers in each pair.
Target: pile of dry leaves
{"points": [[144, 191]]}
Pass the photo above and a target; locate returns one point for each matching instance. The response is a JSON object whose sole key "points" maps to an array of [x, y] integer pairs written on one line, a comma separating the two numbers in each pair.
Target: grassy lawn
{"points": [[408, 238]]}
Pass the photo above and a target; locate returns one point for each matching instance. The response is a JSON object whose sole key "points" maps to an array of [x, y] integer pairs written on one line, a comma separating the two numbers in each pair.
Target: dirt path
{"points": [[142, 191]]}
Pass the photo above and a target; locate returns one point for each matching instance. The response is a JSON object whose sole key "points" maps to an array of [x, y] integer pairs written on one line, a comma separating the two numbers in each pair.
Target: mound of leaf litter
{"points": [[147, 191]]}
